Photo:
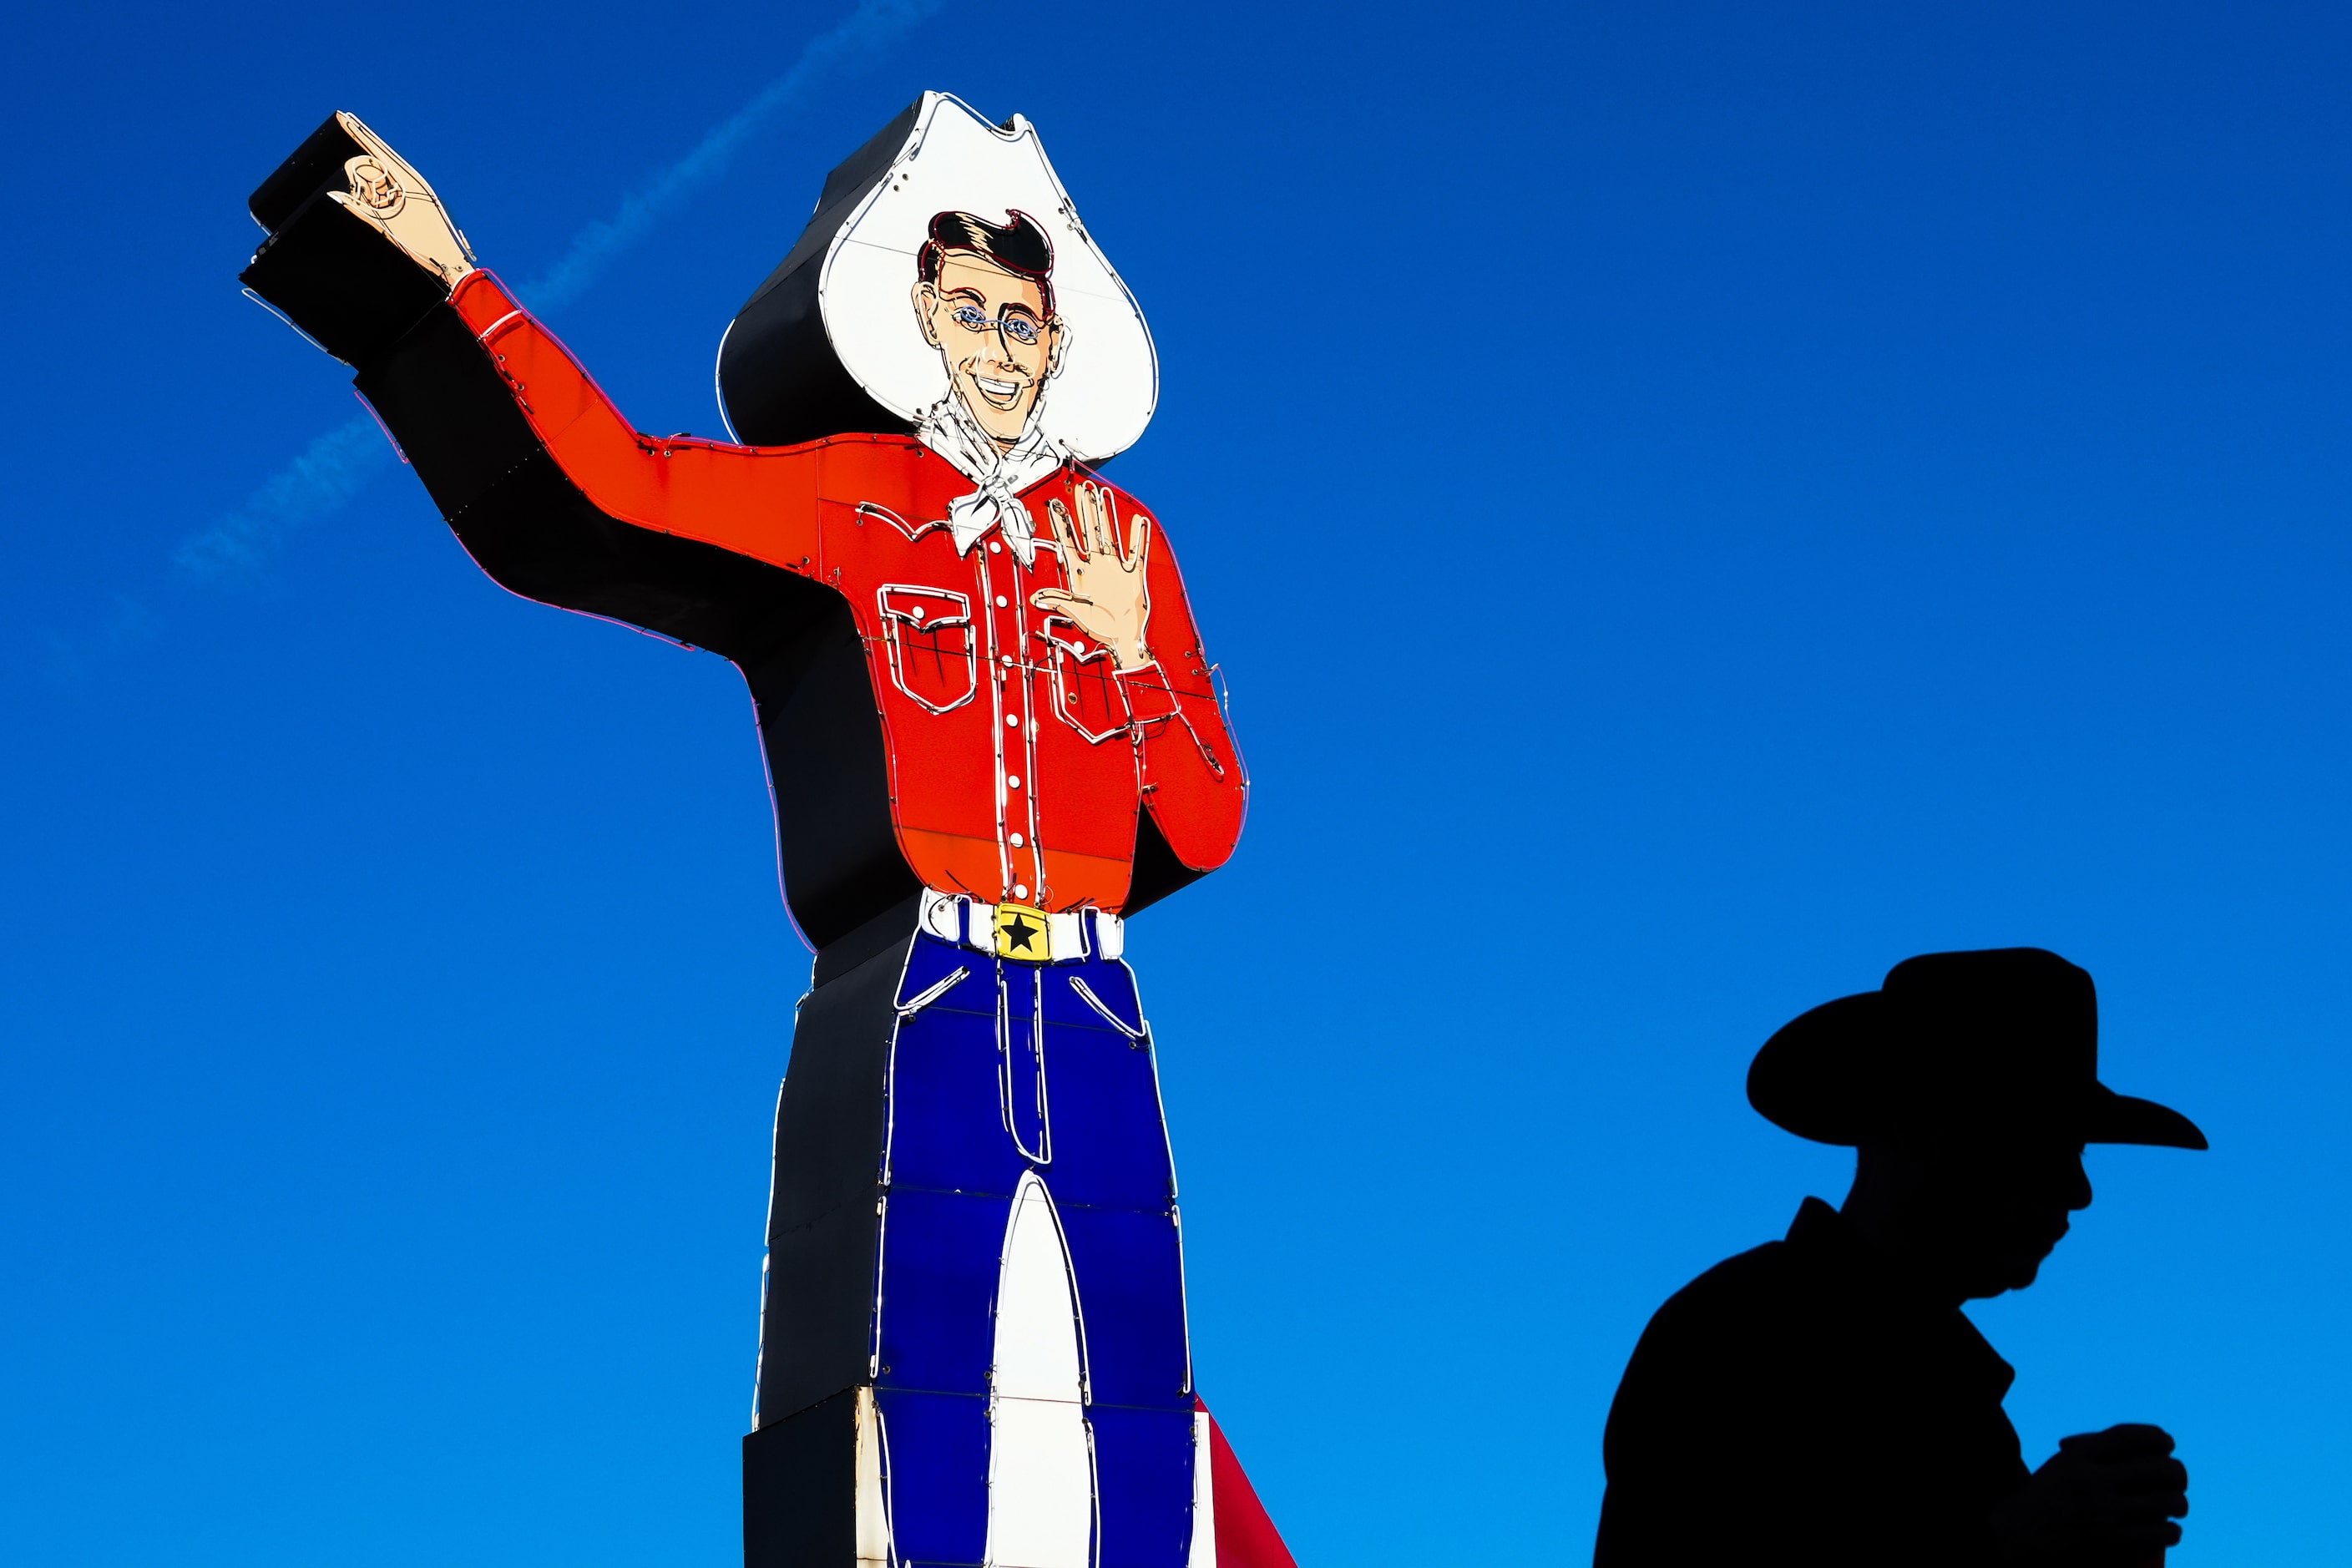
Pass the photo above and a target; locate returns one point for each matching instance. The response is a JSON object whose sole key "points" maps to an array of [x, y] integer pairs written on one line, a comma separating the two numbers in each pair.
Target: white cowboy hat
{"points": [[829, 343]]}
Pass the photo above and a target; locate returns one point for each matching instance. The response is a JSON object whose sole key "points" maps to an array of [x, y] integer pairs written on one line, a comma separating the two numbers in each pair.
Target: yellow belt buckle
{"points": [[1021, 932]]}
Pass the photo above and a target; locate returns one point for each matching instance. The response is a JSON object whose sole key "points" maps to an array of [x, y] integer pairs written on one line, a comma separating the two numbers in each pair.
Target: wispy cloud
{"points": [[875, 24], [339, 464], [331, 469]]}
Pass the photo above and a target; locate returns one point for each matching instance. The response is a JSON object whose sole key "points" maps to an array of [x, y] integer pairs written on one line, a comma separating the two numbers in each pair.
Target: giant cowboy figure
{"points": [[991, 734]]}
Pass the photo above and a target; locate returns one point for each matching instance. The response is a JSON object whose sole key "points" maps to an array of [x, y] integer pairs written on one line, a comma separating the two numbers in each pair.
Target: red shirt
{"points": [[1019, 755]]}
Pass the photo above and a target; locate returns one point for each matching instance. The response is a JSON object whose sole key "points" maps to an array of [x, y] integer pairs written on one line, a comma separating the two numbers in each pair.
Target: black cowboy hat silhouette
{"points": [[2000, 1041]]}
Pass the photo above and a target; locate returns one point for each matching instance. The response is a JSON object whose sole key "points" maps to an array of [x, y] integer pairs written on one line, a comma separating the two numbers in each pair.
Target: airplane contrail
{"points": [[339, 464], [873, 24], [331, 469]]}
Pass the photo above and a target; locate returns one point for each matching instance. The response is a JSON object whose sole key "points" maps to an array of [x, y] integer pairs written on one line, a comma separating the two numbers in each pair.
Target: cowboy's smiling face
{"points": [[998, 343]]}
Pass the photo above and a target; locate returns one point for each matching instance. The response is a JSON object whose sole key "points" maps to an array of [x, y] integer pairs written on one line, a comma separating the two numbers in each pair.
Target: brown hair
{"points": [[1020, 247]]}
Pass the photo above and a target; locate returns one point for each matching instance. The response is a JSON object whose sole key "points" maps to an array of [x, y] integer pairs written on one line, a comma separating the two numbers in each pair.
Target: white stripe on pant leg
{"points": [[1205, 1499], [1041, 1481], [873, 1511]]}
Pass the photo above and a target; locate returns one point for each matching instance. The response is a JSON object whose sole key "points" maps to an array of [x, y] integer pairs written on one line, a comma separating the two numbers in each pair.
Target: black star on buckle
{"points": [[1021, 932]]}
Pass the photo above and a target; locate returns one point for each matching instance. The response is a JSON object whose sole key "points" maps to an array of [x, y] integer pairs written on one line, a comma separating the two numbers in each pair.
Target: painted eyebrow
{"points": [[974, 296]]}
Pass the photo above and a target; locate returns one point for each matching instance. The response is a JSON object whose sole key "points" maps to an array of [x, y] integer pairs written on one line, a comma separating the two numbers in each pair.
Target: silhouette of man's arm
{"points": [[1714, 1445]]}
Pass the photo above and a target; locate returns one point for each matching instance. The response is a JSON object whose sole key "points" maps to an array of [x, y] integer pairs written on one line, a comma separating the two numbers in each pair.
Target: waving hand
{"points": [[1107, 597]]}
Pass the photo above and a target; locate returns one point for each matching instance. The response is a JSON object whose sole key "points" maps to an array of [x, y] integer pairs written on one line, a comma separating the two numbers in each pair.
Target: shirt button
{"points": [[1020, 889], [1012, 781], [993, 547], [1006, 659], [1013, 721], [1002, 601], [1016, 841]]}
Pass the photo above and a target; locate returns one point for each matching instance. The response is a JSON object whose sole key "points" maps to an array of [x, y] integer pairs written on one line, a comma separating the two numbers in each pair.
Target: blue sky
{"points": [[1693, 503]]}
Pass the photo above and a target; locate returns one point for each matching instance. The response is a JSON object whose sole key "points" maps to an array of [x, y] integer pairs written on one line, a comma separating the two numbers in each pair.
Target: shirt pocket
{"points": [[1087, 692], [934, 655]]}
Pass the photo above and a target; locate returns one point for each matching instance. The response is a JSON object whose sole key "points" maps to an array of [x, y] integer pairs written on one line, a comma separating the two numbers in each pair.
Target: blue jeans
{"points": [[999, 1069]]}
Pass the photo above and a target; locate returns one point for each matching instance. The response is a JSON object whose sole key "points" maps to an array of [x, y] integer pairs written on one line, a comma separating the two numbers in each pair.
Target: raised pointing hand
{"points": [[394, 199]]}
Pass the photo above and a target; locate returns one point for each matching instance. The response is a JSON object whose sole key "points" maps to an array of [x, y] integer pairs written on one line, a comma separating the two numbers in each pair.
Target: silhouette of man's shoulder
{"points": [[1802, 1394], [1806, 1286], [1734, 1287]]}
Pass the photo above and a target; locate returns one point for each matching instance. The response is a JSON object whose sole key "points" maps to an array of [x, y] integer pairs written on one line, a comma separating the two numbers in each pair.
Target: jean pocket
{"points": [[933, 969], [1107, 993]]}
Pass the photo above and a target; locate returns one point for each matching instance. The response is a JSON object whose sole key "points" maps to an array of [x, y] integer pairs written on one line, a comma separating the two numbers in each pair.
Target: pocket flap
{"points": [[915, 606]]}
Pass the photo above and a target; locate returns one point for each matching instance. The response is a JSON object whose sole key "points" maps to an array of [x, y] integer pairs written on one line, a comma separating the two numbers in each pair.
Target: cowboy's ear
{"points": [[927, 307], [1057, 343]]}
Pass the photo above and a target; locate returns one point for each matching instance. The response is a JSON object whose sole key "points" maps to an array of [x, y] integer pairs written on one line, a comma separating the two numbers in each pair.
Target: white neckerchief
{"points": [[949, 429]]}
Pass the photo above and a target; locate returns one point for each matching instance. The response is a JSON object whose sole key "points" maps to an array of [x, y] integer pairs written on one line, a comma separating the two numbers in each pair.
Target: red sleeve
{"points": [[1194, 782], [755, 501]]}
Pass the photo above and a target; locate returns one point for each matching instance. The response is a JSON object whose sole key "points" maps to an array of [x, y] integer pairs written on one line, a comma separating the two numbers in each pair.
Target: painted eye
{"points": [[1020, 329], [966, 316]]}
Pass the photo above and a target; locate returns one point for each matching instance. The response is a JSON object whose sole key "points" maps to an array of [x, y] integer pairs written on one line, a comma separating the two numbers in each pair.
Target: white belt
{"points": [[1023, 931]]}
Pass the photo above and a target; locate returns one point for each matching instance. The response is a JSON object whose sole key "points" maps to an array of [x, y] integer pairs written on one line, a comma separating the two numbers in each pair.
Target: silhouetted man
{"points": [[1823, 1399]]}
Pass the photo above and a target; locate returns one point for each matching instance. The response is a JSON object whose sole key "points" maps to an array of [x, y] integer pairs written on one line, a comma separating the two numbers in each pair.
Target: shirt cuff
{"points": [[482, 301]]}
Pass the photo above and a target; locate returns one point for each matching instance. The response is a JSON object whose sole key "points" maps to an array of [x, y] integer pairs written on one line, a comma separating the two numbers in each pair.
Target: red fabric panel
{"points": [[1246, 1536]]}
